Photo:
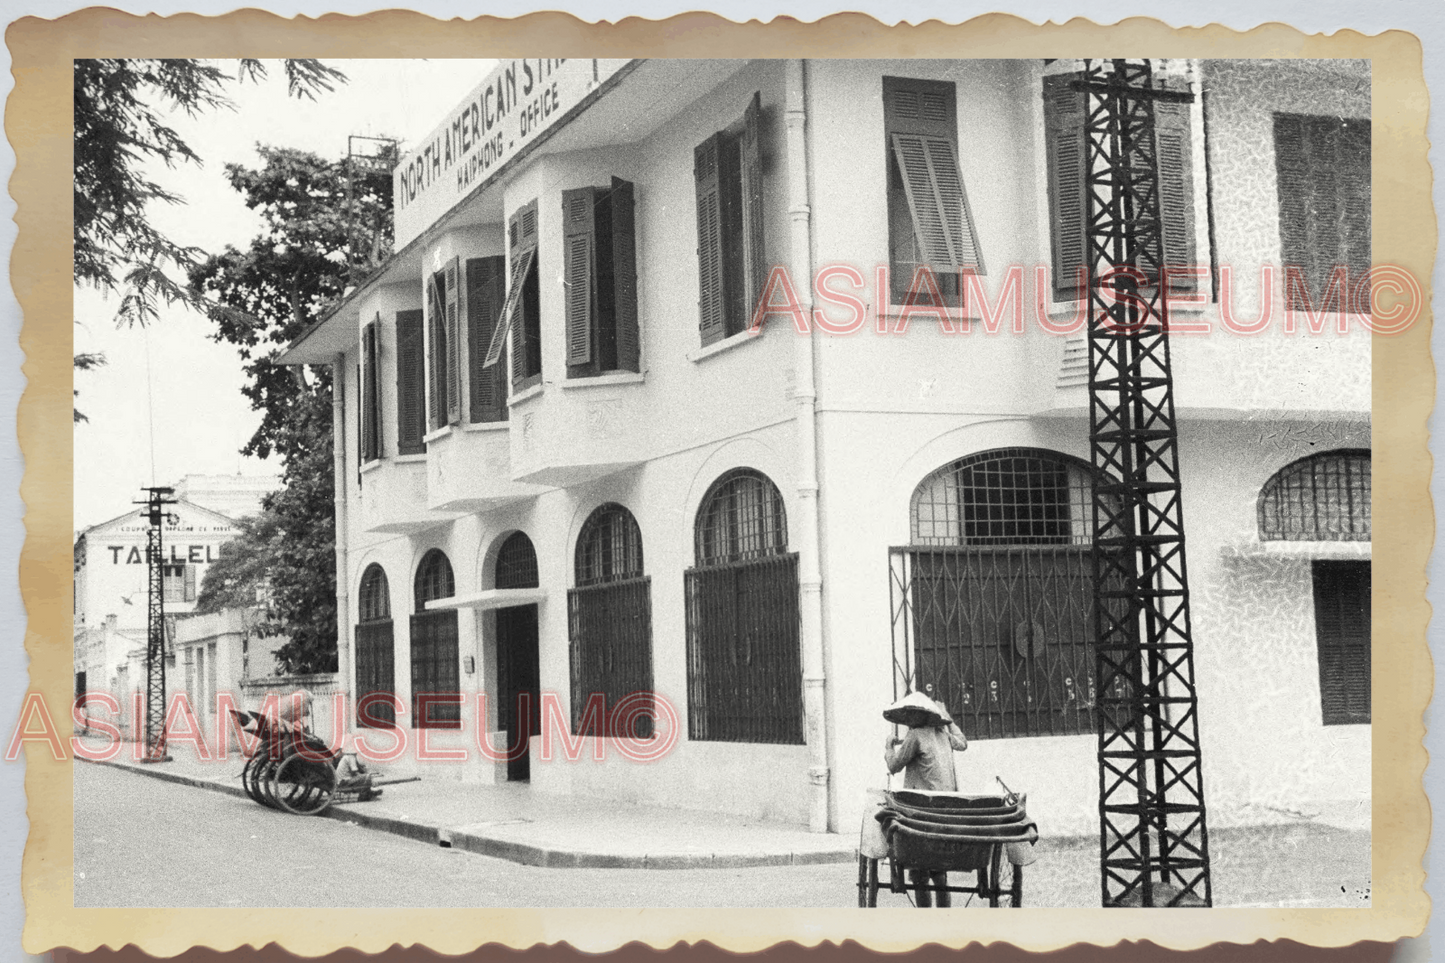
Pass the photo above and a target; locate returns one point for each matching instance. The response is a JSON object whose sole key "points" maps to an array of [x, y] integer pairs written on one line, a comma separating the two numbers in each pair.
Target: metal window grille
{"points": [[610, 546], [742, 517], [611, 635], [992, 603], [374, 598], [375, 673], [744, 665], [433, 579], [1322, 498], [517, 563]]}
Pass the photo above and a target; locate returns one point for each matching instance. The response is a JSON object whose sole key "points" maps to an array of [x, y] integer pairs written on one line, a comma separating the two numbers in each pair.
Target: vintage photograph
{"points": [[724, 483]]}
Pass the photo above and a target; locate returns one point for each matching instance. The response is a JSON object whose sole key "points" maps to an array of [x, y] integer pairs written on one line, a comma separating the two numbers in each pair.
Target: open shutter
{"points": [[453, 343], [510, 308], [624, 275], [485, 277], [755, 269], [1176, 188], [1064, 144], [410, 384], [370, 420], [360, 423], [436, 352], [938, 202], [711, 303], [579, 278]]}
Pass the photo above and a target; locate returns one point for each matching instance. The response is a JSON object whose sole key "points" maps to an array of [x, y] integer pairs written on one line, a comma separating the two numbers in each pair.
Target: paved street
{"points": [[143, 842]]}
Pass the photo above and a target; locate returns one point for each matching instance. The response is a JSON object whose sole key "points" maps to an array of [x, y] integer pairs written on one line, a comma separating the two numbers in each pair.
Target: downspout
{"points": [[810, 579], [338, 460]]}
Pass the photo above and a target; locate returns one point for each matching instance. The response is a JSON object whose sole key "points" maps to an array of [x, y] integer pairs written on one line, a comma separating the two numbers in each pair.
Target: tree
{"points": [[119, 129], [265, 297]]}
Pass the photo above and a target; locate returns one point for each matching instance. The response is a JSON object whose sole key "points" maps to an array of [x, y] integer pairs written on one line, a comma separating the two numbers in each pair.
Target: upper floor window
{"points": [[410, 383], [521, 319], [732, 267], [369, 388], [443, 363], [1066, 146], [178, 583], [1322, 498], [599, 259], [486, 279], [931, 238], [1322, 169]]}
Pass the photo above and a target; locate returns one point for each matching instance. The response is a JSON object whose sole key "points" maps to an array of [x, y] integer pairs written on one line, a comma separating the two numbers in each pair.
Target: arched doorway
{"points": [[519, 670]]}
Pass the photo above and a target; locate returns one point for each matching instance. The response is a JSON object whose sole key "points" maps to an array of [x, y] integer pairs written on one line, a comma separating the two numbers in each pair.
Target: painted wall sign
{"points": [[139, 555], [516, 103]]}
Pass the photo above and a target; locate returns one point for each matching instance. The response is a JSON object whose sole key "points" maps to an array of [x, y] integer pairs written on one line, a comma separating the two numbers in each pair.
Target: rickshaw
{"points": [[291, 769]]}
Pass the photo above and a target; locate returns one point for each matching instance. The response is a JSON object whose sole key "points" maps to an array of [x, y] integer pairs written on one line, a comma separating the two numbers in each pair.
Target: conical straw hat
{"points": [[914, 709]]}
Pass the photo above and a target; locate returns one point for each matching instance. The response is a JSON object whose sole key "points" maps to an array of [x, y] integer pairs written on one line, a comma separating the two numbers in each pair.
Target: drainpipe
{"points": [[810, 579], [338, 458]]}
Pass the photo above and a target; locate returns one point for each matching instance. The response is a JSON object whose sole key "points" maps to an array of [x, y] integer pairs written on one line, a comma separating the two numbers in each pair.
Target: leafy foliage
{"points": [[84, 362], [263, 298]]}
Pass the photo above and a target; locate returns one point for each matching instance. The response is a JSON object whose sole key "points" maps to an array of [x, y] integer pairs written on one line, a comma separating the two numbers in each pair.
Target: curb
{"points": [[526, 854]]}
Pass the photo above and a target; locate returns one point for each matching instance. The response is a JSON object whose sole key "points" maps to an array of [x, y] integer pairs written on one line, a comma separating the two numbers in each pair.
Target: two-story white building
{"points": [[769, 530]]}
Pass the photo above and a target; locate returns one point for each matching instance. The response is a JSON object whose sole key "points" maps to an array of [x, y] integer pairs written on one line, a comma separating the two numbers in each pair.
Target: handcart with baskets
{"points": [[927, 834]]}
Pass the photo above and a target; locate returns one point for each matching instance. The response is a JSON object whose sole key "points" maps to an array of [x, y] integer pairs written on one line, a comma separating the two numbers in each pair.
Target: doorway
{"points": [[519, 668], [1342, 634]]}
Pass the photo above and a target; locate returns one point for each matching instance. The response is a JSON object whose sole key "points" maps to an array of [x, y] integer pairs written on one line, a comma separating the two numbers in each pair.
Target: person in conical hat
{"points": [[925, 754], [296, 709]]}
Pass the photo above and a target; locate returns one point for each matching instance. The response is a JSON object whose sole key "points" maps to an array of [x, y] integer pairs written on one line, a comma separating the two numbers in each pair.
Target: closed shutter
{"points": [[1342, 629], [579, 255], [453, 344], [922, 125], [711, 301], [754, 261], [370, 420], [1176, 189], [484, 280], [410, 384], [190, 584], [436, 352], [360, 424], [1064, 144], [624, 275], [1322, 167], [1354, 185]]}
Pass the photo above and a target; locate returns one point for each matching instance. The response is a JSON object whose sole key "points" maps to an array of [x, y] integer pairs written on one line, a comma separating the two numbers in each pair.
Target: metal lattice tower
{"points": [[366, 157], [1154, 843], [155, 721]]}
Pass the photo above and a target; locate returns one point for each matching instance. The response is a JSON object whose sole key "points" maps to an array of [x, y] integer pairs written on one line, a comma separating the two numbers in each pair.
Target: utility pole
{"points": [[1154, 843], [155, 722]]}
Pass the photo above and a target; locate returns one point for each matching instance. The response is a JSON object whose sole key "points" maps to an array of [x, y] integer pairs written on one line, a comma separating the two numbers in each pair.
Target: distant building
{"points": [[235, 496]]}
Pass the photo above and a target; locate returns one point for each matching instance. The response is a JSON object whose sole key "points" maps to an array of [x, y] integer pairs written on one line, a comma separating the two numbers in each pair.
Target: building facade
{"points": [[568, 470]]}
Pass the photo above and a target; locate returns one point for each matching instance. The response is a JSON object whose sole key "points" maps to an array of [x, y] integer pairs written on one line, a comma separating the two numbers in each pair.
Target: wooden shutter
{"points": [[579, 255], [1176, 188], [190, 583], [453, 342], [370, 422], [624, 275], [410, 384], [1064, 144], [1342, 630], [1354, 186], [360, 423], [754, 261], [436, 352], [484, 277], [510, 308], [711, 301]]}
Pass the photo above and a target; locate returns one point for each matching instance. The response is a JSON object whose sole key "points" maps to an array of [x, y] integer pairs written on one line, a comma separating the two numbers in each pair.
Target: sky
{"points": [[168, 401]]}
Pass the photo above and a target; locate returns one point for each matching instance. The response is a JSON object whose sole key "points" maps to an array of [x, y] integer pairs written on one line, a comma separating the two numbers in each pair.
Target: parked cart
{"points": [[990, 837], [291, 769]]}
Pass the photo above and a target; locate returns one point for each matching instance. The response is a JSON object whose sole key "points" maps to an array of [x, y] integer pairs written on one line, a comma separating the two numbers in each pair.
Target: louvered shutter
{"points": [[360, 424], [711, 302], [579, 255], [624, 275], [453, 343], [410, 384], [1064, 144], [488, 390], [370, 422], [1342, 628], [1176, 188], [436, 352], [510, 309], [1354, 186], [190, 584], [754, 259]]}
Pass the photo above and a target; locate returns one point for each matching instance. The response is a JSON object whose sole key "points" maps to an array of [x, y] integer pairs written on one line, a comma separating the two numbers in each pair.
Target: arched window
{"points": [[996, 593], [1322, 498], [744, 666], [610, 619], [434, 579], [741, 518], [435, 673], [610, 546], [517, 563], [374, 599], [375, 655]]}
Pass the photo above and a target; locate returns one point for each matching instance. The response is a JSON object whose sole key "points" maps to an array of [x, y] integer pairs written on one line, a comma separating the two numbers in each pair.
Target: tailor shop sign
{"points": [[518, 102]]}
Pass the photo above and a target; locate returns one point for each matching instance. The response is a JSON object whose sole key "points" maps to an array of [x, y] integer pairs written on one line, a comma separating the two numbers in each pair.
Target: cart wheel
{"points": [[867, 882], [248, 773], [304, 786], [262, 779], [1008, 889]]}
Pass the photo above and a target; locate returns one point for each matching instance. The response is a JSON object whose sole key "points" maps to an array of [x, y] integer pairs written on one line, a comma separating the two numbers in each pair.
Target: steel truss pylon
{"points": [[155, 717], [1154, 843]]}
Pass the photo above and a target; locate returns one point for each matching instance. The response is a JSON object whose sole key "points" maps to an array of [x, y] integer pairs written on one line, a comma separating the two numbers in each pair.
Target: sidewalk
{"points": [[516, 823]]}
